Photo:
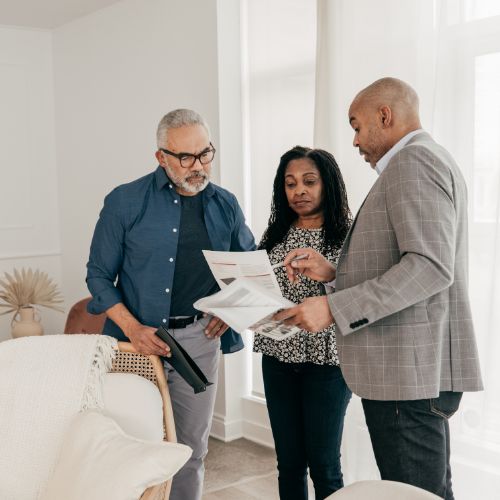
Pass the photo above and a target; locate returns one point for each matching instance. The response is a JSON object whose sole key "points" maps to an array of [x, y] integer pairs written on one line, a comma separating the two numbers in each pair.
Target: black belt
{"points": [[183, 322]]}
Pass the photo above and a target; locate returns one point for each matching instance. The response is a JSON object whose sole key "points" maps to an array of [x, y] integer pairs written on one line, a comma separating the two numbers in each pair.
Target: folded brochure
{"points": [[246, 304]]}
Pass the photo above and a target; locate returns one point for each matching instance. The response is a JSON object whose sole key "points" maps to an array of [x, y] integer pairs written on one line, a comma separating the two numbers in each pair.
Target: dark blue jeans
{"points": [[411, 440], [307, 405]]}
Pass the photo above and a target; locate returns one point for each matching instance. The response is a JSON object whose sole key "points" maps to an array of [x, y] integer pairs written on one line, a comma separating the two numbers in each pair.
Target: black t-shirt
{"points": [[192, 276]]}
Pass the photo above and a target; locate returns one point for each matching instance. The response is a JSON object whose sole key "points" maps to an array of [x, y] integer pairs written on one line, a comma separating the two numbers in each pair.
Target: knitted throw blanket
{"points": [[44, 382]]}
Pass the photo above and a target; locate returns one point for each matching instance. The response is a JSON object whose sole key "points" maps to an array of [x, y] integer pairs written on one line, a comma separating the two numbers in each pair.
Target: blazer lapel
{"points": [[345, 245]]}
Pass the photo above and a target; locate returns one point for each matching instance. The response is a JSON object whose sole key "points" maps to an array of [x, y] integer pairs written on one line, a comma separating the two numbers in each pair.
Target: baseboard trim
{"points": [[253, 426], [256, 426], [259, 434], [225, 430]]}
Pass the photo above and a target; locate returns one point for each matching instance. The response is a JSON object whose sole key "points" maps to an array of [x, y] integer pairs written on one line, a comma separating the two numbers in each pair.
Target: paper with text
{"points": [[246, 304], [227, 266]]}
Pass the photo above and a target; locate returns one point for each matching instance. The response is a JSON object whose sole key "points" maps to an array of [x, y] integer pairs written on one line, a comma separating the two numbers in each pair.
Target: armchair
{"points": [[81, 321], [56, 436], [127, 360]]}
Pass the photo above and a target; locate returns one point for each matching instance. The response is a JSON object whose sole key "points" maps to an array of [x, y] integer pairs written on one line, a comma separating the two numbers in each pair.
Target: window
{"points": [[460, 11], [486, 137], [470, 46], [280, 54]]}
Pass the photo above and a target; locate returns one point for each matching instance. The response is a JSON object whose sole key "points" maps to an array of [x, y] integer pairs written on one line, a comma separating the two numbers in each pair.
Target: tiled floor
{"points": [[240, 470]]}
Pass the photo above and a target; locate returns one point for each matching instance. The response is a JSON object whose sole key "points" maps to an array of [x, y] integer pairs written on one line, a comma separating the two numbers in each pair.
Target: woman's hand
{"points": [[314, 266]]}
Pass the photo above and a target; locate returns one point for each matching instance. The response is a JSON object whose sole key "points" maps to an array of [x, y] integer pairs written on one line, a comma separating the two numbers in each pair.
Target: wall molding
{"points": [[15, 227], [225, 430], [258, 433], [254, 425], [56, 253], [15, 27]]}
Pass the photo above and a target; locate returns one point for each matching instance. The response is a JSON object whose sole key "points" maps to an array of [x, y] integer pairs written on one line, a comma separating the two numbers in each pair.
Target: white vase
{"points": [[28, 323]]}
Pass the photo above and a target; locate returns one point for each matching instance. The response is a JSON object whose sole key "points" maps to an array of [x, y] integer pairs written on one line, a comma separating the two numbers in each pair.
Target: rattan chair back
{"points": [[127, 360]]}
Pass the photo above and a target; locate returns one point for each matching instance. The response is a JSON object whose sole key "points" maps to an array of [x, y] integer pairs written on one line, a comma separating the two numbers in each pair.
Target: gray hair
{"points": [[176, 119]]}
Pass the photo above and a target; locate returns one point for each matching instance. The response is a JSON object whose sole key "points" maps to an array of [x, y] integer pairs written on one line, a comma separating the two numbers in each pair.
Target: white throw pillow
{"points": [[99, 461], [135, 404]]}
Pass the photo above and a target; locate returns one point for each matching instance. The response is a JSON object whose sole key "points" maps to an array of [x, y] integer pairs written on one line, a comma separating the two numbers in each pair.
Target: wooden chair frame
{"points": [[128, 360]]}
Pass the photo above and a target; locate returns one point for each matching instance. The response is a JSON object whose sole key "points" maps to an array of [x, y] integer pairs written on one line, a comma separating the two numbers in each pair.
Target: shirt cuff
{"points": [[102, 301], [329, 286]]}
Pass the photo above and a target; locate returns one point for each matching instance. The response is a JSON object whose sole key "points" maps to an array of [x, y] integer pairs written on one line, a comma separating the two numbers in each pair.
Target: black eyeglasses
{"points": [[187, 160]]}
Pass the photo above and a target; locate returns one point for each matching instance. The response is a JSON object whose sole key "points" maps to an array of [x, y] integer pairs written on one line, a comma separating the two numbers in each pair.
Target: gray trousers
{"points": [[193, 412]]}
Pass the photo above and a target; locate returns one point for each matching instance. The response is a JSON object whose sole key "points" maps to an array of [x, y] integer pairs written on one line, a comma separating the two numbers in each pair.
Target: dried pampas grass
{"points": [[28, 288]]}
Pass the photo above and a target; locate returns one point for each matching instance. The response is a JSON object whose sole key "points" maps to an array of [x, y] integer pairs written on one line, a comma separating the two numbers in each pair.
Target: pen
{"points": [[299, 257]]}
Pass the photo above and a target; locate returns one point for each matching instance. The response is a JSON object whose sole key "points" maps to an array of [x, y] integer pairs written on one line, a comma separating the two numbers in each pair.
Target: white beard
{"points": [[185, 185]]}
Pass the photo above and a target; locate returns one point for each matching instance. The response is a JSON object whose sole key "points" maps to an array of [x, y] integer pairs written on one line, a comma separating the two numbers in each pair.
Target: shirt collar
{"points": [[162, 179], [384, 161]]}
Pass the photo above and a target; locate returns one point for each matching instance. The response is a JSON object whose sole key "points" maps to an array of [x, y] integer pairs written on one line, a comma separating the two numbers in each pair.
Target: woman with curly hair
{"points": [[305, 391]]}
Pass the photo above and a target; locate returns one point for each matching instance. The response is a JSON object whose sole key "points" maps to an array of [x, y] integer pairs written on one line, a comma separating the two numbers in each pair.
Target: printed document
{"points": [[227, 266], [250, 294], [245, 304]]}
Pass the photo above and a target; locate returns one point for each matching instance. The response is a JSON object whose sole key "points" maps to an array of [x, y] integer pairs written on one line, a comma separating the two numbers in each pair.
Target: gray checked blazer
{"points": [[404, 326]]}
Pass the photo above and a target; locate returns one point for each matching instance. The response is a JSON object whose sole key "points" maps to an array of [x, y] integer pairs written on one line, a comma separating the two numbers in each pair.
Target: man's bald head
{"points": [[381, 115], [392, 92]]}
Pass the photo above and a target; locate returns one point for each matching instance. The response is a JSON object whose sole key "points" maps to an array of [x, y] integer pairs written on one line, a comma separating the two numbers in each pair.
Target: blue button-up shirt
{"points": [[134, 248]]}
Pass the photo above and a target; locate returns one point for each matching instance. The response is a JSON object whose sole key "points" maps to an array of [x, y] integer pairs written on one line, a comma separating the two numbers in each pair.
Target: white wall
{"points": [[117, 72], [114, 74], [29, 218], [234, 379]]}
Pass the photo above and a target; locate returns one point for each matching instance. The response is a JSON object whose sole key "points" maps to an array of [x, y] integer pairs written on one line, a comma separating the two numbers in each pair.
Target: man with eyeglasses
{"points": [[146, 269]]}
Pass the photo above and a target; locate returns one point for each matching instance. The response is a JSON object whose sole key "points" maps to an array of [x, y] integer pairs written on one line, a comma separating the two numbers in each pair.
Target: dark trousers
{"points": [[307, 405], [411, 440]]}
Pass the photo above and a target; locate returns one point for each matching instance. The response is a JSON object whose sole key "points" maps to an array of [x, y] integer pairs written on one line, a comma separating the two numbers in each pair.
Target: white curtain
{"points": [[450, 52]]}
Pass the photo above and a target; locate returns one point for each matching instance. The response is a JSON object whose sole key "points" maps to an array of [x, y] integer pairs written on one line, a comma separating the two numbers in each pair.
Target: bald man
{"points": [[404, 329]]}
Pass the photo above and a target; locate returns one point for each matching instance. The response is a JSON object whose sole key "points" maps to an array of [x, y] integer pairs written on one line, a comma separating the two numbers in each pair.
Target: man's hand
{"points": [[142, 337], [145, 341], [312, 315], [215, 328], [315, 266]]}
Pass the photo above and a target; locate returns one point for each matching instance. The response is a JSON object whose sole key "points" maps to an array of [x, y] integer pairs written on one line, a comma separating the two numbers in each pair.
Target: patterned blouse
{"points": [[319, 348]]}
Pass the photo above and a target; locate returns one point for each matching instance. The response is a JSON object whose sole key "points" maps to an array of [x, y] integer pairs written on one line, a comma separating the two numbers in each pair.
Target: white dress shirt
{"points": [[384, 161]]}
